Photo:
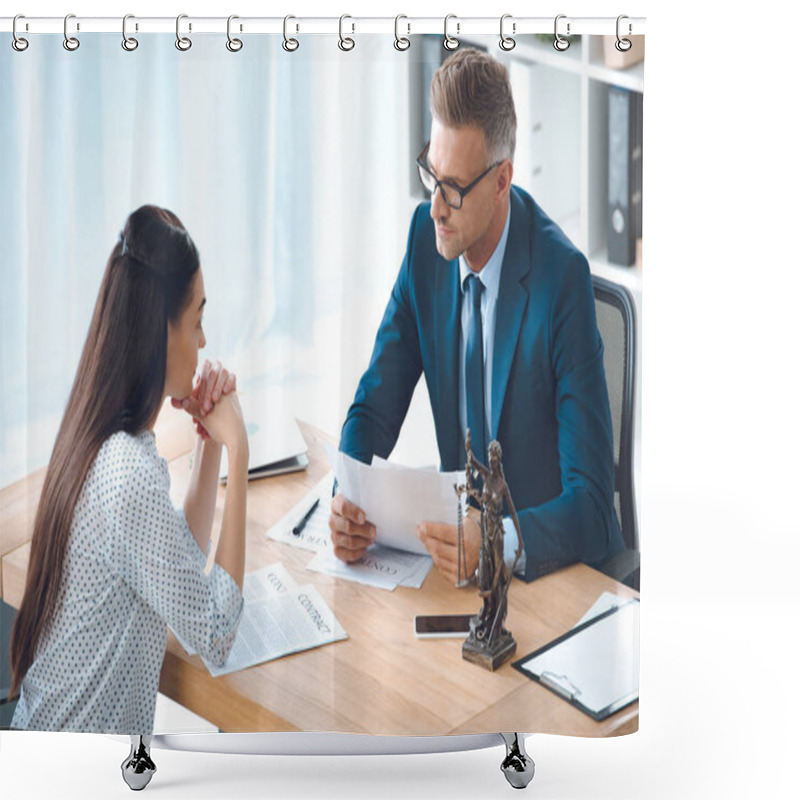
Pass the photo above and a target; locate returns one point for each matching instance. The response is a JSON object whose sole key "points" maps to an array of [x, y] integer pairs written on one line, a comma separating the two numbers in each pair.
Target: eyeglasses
{"points": [[452, 193]]}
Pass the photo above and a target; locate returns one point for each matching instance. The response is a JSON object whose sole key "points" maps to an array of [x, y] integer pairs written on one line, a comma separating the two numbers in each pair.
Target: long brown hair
{"points": [[118, 387]]}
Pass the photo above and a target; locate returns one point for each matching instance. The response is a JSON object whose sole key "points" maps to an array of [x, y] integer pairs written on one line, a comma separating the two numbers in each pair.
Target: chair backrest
{"points": [[616, 321]]}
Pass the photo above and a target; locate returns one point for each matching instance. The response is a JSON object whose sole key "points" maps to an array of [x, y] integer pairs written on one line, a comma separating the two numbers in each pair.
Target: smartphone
{"points": [[441, 626]]}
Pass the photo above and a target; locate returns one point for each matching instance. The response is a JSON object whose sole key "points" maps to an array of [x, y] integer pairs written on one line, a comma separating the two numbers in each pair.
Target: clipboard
{"points": [[594, 666]]}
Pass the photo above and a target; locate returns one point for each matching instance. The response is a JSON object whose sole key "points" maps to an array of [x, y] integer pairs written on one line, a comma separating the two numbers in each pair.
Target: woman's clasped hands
{"points": [[214, 405]]}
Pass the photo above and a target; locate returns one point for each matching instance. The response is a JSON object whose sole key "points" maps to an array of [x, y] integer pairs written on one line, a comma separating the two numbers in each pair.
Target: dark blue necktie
{"points": [[474, 369]]}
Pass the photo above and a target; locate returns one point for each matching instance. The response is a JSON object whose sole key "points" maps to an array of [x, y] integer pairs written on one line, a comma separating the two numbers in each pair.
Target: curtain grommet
{"points": [[623, 45], [450, 42], [289, 45], [345, 42], [18, 42], [559, 42], [507, 43], [183, 43], [128, 42], [401, 43]]}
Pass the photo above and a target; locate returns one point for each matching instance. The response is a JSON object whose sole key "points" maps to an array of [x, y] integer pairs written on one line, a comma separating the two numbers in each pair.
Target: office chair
{"points": [[616, 321]]}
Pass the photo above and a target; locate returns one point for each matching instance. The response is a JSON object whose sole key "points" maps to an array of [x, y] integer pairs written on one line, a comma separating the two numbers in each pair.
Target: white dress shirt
{"points": [[489, 276]]}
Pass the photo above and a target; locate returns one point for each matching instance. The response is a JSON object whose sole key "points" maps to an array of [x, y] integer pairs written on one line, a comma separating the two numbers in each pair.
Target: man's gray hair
{"points": [[473, 88]]}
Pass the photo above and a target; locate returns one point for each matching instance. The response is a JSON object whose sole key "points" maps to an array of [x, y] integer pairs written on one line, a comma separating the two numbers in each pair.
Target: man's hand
{"points": [[351, 534], [441, 541]]}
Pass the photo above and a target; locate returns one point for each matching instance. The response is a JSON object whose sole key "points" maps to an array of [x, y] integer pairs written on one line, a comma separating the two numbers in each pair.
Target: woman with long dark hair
{"points": [[112, 561]]}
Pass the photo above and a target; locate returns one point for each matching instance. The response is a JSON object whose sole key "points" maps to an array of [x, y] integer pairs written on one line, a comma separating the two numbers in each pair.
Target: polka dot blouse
{"points": [[132, 568]]}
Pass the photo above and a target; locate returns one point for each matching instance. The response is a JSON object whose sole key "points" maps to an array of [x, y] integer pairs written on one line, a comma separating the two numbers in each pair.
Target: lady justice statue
{"points": [[489, 644]]}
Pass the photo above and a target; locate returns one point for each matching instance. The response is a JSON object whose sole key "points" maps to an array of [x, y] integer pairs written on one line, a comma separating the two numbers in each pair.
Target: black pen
{"points": [[298, 529]]}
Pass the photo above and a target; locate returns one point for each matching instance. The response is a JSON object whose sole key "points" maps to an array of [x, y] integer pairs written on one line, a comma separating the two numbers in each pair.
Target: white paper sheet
{"points": [[279, 625], [606, 601], [316, 534], [270, 581], [381, 567], [599, 666], [395, 498]]}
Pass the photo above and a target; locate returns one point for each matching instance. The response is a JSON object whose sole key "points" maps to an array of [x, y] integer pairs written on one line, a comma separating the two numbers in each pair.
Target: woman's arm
{"points": [[225, 425], [201, 496], [231, 548]]}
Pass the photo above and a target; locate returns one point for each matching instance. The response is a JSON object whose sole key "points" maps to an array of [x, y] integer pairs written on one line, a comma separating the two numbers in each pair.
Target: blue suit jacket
{"points": [[550, 408]]}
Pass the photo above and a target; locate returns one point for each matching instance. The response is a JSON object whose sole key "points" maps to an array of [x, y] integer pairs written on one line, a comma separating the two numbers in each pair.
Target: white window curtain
{"points": [[262, 154]]}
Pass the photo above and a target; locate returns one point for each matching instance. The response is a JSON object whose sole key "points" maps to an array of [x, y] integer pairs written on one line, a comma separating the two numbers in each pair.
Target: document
{"points": [[605, 602], [395, 498], [314, 534], [271, 581], [595, 666], [382, 567], [279, 618], [279, 625]]}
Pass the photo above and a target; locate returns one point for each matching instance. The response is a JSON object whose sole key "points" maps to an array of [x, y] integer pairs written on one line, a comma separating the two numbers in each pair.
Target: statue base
{"points": [[477, 652]]}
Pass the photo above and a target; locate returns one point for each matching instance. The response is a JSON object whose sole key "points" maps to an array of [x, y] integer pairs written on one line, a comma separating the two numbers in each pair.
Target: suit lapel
{"points": [[511, 302], [448, 327]]}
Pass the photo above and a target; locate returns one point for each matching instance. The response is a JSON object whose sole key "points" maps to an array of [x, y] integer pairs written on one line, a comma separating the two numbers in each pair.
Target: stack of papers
{"points": [[382, 567], [279, 618], [395, 498]]}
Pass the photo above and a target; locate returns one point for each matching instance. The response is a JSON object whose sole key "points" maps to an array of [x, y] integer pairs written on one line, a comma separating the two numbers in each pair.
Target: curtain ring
{"points": [[18, 43], [346, 43], [449, 42], [183, 43], [233, 45], [560, 43], [507, 42], [128, 42], [623, 45], [401, 43], [70, 42], [290, 45]]}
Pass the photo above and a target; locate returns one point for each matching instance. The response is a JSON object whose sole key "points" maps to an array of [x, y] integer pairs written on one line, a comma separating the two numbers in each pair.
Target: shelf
{"points": [[533, 51], [631, 78], [629, 277]]}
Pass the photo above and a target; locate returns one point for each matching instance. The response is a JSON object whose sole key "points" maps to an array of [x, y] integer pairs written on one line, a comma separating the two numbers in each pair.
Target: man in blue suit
{"points": [[495, 306]]}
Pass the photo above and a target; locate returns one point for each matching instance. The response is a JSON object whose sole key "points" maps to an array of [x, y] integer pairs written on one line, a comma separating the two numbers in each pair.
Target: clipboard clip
{"points": [[560, 684]]}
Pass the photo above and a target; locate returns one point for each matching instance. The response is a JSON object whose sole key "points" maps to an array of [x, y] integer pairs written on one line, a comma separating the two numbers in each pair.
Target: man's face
{"points": [[458, 155]]}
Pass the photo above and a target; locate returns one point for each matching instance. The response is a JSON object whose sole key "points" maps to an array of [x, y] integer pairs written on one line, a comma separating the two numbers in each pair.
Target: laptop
{"points": [[276, 444]]}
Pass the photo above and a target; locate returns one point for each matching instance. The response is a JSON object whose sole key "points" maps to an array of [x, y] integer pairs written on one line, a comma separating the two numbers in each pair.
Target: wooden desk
{"points": [[381, 680]]}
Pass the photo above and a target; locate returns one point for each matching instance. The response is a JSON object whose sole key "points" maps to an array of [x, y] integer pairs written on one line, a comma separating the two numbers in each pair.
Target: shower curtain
{"points": [[296, 173]]}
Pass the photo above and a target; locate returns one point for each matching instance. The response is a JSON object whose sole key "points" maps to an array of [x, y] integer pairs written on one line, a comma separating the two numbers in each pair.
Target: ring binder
{"points": [[289, 45], [450, 43], [71, 43], [623, 45], [345, 43], [233, 45], [401, 43], [507, 43], [128, 42], [183, 43], [560, 43], [18, 43]]}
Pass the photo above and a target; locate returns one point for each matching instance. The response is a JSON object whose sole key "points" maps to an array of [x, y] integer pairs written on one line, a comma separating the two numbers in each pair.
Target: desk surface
{"points": [[381, 680]]}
